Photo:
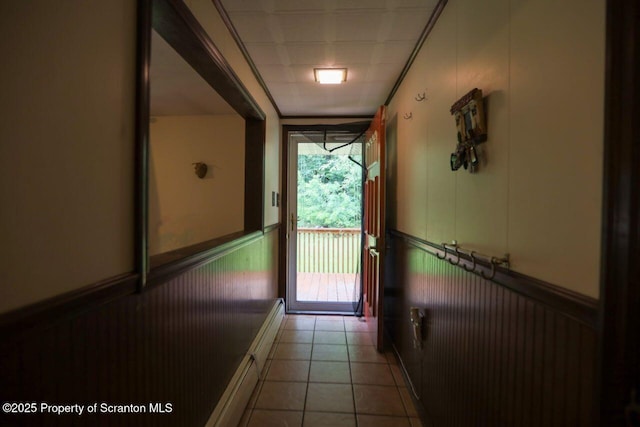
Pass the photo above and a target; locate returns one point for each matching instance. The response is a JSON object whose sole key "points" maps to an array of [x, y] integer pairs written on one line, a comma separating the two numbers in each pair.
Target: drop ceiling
{"points": [[287, 39]]}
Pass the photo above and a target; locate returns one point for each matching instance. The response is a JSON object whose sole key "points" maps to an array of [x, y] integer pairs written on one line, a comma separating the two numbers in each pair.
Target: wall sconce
{"points": [[200, 169]]}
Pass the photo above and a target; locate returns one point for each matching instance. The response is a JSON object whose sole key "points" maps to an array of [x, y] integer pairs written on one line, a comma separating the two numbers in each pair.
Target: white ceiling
{"points": [[286, 39]]}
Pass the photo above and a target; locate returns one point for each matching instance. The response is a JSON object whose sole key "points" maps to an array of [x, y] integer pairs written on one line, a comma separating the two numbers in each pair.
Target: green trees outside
{"points": [[329, 191]]}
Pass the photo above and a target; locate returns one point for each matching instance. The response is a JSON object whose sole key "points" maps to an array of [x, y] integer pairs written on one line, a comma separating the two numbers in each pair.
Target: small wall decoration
{"points": [[200, 169], [472, 130]]}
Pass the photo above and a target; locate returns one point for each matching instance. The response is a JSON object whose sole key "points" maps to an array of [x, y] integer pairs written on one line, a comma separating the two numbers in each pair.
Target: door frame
{"points": [[619, 313], [283, 270], [375, 198]]}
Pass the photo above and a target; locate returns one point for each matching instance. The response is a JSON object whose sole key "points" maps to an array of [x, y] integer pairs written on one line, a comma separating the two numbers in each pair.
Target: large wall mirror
{"points": [[196, 157], [202, 160]]}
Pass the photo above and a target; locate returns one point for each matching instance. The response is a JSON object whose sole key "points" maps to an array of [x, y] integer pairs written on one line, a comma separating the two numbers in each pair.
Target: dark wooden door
{"points": [[374, 217]]}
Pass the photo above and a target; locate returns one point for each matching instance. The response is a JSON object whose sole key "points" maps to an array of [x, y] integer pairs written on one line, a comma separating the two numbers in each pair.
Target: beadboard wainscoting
{"points": [[509, 352], [178, 343]]}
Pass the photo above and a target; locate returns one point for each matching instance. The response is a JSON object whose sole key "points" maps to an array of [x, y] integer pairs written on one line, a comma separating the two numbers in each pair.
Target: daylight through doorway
{"points": [[326, 222]]}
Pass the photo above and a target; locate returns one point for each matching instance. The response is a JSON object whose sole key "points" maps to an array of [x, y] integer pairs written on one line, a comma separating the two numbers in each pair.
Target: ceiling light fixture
{"points": [[330, 76]]}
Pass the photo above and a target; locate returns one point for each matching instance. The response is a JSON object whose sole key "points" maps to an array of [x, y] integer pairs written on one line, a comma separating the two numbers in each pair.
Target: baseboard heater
{"points": [[231, 406]]}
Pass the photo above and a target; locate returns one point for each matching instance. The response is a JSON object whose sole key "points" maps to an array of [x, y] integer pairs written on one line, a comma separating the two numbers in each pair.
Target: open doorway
{"points": [[324, 220]]}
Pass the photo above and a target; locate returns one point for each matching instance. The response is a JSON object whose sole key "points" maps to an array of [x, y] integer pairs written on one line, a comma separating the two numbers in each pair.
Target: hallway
{"points": [[325, 371], [151, 214]]}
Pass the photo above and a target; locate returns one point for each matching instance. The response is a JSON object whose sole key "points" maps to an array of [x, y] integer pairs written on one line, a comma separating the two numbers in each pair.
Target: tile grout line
{"points": [[349, 362], [306, 394], [353, 390]]}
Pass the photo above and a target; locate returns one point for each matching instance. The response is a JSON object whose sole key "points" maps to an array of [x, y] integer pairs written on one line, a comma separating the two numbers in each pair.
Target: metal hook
{"points": [[495, 262], [493, 270], [473, 258], [444, 245], [407, 116], [455, 248], [421, 97]]}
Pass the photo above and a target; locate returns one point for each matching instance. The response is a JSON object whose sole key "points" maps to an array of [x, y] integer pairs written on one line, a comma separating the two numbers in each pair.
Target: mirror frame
{"points": [[175, 23]]}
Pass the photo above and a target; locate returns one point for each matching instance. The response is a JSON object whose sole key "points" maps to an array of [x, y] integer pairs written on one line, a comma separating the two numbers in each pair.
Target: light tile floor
{"points": [[325, 371]]}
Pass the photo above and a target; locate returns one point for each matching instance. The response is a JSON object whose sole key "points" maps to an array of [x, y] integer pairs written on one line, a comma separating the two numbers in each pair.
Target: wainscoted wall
{"points": [[530, 188], [522, 353], [178, 342]]}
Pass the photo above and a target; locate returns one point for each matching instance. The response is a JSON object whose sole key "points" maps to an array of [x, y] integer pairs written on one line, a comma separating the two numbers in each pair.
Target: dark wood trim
{"points": [[44, 314], [184, 261], [425, 33], [234, 33], [355, 127], [273, 227], [572, 304], [200, 249], [361, 116], [175, 23], [254, 167], [619, 321], [196, 249], [284, 206], [143, 63]]}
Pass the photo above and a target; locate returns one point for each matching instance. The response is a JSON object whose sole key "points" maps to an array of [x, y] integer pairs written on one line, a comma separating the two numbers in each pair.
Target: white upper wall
{"points": [[66, 146], [209, 18], [538, 192], [67, 142], [184, 209]]}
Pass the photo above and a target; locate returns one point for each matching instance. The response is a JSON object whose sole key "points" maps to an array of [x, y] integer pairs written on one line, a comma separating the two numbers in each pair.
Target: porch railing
{"points": [[328, 250]]}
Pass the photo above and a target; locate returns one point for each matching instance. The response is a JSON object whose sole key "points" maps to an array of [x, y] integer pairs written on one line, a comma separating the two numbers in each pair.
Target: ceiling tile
{"points": [[253, 27], [363, 26], [361, 4], [303, 74], [316, 99], [267, 53], [392, 52], [299, 5], [302, 27], [421, 4], [353, 52], [278, 73], [288, 38], [313, 54], [407, 25], [356, 73]]}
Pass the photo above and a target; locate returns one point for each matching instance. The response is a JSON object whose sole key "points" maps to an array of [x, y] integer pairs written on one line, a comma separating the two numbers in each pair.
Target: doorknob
{"points": [[293, 222]]}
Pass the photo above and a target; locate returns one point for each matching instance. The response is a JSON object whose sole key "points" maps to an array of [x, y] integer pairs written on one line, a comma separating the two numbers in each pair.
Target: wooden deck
{"points": [[330, 287]]}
